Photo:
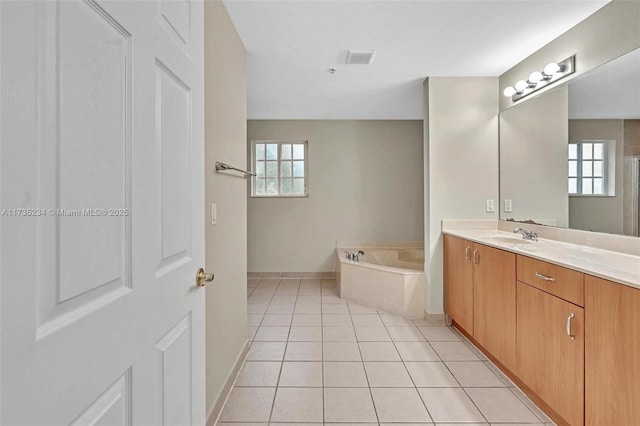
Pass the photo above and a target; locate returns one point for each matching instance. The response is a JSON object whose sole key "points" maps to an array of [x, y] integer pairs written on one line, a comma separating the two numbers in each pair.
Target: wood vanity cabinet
{"points": [[550, 350], [480, 295], [494, 302], [551, 335], [612, 353], [458, 279], [572, 339]]}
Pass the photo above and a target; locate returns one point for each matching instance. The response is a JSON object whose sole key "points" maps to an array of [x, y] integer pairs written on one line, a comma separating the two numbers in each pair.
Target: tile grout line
{"points": [[324, 419], [366, 375], [476, 405], [284, 356], [476, 351], [527, 404], [407, 370], [446, 366], [444, 362], [509, 384], [454, 376]]}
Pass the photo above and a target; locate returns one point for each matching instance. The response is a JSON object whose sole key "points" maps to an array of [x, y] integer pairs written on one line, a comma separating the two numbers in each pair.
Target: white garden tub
{"points": [[390, 278]]}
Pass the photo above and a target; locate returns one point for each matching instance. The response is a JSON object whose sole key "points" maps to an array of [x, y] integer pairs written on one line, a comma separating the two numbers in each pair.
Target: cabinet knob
{"points": [[467, 253]]}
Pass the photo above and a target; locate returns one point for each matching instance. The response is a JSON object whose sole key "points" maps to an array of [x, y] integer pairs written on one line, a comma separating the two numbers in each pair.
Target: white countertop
{"points": [[613, 266]]}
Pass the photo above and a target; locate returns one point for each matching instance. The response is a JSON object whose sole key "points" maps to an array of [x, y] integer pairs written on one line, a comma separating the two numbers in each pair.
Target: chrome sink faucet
{"points": [[354, 255], [527, 235]]}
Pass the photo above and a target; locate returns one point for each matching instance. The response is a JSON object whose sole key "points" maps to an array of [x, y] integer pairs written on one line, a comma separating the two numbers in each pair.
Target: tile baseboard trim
{"points": [[434, 319], [215, 412], [292, 275]]}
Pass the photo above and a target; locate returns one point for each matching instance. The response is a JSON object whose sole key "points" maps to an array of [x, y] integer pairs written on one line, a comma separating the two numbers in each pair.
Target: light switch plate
{"points": [[507, 206], [490, 206], [214, 213]]}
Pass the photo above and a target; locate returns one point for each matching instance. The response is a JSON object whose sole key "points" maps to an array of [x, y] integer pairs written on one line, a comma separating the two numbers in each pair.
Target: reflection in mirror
{"points": [[533, 160], [571, 157], [604, 140]]}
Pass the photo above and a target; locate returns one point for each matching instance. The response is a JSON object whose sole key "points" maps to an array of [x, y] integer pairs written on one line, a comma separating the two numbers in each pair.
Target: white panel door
{"points": [[102, 200]]}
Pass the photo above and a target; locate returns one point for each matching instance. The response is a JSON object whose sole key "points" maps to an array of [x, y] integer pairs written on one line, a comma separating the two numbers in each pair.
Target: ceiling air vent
{"points": [[360, 57]]}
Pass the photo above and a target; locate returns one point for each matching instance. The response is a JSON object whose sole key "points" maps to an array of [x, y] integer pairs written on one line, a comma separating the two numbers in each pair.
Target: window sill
{"points": [[591, 196], [280, 196]]}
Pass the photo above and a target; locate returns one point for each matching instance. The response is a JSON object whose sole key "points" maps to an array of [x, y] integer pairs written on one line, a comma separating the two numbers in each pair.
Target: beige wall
{"points": [[226, 242], [602, 214], [534, 159], [610, 32], [365, 184], [461, 163]]}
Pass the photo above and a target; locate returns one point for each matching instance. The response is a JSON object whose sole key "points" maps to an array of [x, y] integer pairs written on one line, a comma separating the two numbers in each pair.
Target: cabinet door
{"points": [[549, 361], [494, 302], [458, 281], [612, 353]]}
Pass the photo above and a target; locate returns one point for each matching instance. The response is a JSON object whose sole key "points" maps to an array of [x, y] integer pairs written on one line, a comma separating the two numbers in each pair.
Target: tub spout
{"points": [[353, 255], [356, 255]]}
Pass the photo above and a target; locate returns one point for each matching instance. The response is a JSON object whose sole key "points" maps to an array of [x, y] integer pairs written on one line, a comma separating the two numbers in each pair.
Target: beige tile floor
{"points": [[318, 359]]}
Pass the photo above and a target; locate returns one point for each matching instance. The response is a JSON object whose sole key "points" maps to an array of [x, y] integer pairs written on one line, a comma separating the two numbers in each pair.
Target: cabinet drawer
{"points": [[562, 282]]}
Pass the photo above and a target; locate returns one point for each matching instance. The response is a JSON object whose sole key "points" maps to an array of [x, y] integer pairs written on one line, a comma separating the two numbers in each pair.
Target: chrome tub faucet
{"points": [[354, 255]]}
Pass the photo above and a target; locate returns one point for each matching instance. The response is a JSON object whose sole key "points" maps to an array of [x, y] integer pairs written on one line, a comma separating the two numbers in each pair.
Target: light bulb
{"points": [[535, 77], [521, 85], [551, 68], [509, 92]]}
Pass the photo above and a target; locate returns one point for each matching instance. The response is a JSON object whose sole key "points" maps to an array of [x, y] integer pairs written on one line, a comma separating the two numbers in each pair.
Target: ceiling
{"points": [[291, 44], [611, 91]]}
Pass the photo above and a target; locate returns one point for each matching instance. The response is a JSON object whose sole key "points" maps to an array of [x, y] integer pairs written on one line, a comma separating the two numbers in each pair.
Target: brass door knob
{"points": [[202, 277]]}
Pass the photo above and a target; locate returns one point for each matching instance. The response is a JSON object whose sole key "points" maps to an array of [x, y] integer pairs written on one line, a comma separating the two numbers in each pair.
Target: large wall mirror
{"points": [[571, 157]]}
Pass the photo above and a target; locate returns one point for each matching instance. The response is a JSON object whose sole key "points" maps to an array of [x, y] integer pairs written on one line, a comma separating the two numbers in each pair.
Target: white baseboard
{"points": [[293, 275], [212, 418], [435, 319]]}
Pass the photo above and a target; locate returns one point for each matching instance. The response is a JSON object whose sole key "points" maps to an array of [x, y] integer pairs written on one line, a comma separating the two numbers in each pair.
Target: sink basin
{"points": [[512, 241]]}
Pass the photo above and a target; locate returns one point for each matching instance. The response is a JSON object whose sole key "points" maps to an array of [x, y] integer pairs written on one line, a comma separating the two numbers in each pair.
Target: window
{"points": [[280, 168], [588, 168]]}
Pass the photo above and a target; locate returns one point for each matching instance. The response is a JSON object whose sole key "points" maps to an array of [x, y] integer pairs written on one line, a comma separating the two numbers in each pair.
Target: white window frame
{"points": [[280, 143], [608, 168]]}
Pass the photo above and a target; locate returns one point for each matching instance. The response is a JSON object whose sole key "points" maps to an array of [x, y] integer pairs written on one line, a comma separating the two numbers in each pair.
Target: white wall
{"points": [[602, 214], [226, 243], [461, 163], [534, 159], [365, 184]]}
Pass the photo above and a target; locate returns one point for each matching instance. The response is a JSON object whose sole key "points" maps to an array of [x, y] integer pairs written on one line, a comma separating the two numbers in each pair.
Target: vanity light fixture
{"points": [[535, 77], [520, 86], [550, 74]]}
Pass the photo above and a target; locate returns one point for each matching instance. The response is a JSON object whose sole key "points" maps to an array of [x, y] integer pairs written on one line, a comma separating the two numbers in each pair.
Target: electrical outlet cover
{"points": [[490, 206]]}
